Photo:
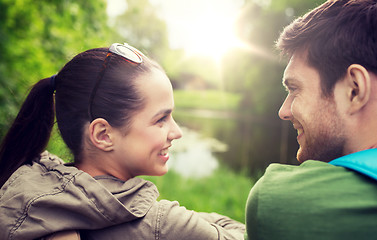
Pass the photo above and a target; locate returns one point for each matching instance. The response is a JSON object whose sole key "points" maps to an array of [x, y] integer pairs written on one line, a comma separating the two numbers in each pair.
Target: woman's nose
{"points": [[175, 132]]}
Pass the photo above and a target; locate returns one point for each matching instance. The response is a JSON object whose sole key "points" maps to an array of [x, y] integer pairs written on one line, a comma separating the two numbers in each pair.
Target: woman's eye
{"points": [[163, 119]]}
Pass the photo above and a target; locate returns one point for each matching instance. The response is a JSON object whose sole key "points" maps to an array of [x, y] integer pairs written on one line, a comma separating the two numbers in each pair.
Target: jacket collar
{"points": [[364, 162]]}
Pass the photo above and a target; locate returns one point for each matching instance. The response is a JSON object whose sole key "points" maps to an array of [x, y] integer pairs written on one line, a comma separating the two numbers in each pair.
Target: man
{"points": [[331, 79]]}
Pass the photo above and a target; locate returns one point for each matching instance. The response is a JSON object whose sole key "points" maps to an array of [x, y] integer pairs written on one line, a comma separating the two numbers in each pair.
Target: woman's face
{"points": [[144, 148]]}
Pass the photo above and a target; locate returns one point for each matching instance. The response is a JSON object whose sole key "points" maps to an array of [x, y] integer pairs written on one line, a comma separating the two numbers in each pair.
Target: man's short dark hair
{"points": [[335, 35]]}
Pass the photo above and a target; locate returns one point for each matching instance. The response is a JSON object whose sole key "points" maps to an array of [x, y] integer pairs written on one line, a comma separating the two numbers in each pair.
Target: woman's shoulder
{"points": [[43, 174]]}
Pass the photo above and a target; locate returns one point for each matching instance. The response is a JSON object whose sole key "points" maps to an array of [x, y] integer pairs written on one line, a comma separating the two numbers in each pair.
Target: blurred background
{"points": [[220, 57]]}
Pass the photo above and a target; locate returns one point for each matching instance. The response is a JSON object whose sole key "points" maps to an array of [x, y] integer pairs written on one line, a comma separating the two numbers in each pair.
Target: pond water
{"points": [[241, 143], [193, 155]]}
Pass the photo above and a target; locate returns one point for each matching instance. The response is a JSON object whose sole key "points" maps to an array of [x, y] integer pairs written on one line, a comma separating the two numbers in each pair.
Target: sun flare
{"points": [[205, 28], [211, 35]]}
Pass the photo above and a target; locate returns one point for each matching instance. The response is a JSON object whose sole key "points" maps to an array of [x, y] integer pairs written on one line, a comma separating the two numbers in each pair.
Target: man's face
{"points": [[320, 131]]}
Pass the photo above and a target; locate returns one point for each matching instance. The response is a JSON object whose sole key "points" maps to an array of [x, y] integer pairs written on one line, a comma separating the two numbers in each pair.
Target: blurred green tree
{"points": [[256, 71], [142, 27], [37, 38]]}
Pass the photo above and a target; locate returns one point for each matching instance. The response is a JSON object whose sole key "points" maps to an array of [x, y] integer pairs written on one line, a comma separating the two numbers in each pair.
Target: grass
{"points": [[224, 192]]}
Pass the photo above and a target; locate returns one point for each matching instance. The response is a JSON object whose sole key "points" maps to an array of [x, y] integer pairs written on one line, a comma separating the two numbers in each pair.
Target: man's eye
{"points": [[291, 89]]}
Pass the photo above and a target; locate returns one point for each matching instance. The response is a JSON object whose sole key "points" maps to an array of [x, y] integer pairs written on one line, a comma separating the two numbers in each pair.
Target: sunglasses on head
{"points": [[128, 53]]}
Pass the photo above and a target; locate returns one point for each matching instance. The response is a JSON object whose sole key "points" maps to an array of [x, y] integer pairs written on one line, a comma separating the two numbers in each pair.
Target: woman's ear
{"points": [[100, 134], [359, 87]]}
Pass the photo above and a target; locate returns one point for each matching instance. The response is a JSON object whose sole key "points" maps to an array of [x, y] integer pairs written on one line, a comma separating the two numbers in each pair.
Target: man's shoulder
{"points": [[319, 198], [307, 169], [316, 176], [307, 165]]}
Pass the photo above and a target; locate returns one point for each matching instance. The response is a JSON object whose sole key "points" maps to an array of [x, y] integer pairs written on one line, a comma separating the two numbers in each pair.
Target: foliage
{"points": [[209, 99], [256, 72], [299, 7], [201, 68], [37, 38], [257, 80], [57, 146], [141, 26]]}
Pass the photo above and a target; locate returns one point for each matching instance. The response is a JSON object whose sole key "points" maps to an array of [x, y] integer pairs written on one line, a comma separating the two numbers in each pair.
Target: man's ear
{"points": [[359, 87], [100, 133]]}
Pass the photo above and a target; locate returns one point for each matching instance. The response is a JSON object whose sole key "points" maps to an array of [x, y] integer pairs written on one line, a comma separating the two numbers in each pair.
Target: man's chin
{"points": [[302, 155], [324, 156], [300, 160]]}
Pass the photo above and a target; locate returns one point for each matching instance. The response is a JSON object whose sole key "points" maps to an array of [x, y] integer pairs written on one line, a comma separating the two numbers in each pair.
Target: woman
{"points": [[114, 111]]}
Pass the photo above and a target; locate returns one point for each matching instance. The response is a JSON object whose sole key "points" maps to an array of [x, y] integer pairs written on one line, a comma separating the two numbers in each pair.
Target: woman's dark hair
{"points": [[335, 35], [116, 99]]}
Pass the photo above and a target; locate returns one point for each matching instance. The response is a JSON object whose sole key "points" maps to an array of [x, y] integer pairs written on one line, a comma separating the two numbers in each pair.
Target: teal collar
{"points": [[364, 162]]}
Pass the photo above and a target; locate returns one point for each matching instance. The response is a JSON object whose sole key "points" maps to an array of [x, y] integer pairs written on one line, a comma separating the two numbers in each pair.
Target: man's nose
{"points": [[285, 112]]}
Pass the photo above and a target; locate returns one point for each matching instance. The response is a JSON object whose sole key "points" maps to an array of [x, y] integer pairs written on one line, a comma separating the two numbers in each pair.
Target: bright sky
{"points": [[200, 27]]}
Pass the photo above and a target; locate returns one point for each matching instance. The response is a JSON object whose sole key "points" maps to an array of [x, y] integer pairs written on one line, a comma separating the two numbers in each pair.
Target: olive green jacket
{"points": [[48, 197]]}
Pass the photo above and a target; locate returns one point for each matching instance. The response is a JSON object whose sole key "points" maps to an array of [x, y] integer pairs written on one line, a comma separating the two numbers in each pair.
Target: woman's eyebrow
{"points": [[163, 112]]}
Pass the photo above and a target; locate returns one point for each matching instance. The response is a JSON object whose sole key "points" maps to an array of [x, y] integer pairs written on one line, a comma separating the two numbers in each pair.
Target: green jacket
{"points": [[315, 200], [48, 196]]}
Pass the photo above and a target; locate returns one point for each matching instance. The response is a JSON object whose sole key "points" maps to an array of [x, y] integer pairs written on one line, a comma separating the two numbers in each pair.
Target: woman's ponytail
{"points": [[30, 132]]}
